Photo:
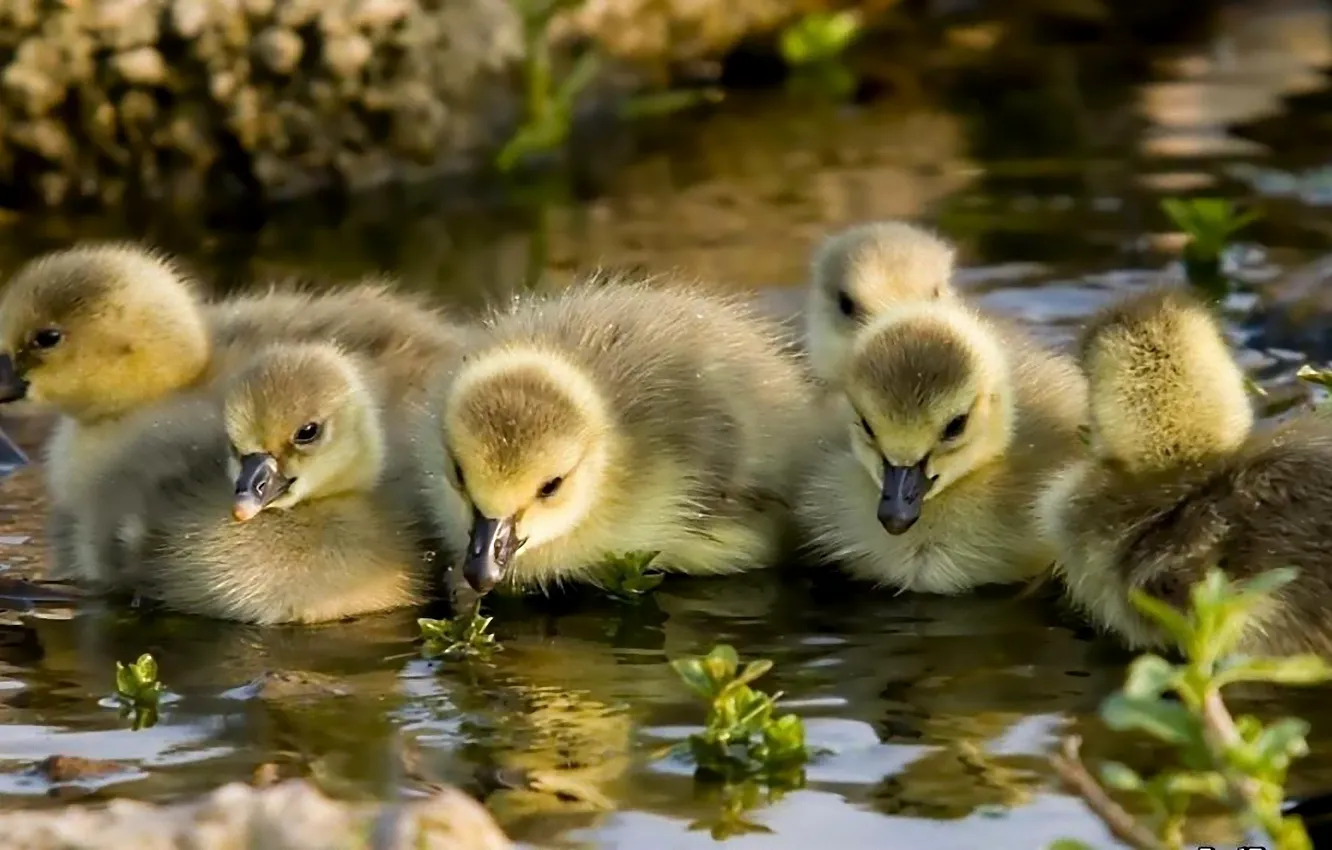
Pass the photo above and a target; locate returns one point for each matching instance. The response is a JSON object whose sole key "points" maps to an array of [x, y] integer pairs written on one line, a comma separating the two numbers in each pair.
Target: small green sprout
{"points": [[1209, 224], [1318, 377], [819, 37], [459, 637], [1238, 762], [741, 738], [814, 49], [139, 691], [627, 578]]}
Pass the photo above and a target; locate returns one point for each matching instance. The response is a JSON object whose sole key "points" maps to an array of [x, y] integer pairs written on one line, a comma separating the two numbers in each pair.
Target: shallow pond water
{"points": [[936, 714]]}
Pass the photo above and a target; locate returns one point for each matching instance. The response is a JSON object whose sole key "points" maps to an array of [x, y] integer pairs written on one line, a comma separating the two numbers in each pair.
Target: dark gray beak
{"points": [[904, 489], [258, 484], [12, 387], [489, 551]]}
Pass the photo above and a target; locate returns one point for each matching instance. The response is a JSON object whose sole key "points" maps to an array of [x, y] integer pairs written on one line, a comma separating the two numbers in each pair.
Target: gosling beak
{"points": [[257, 485], [491, 547], [904, 489], [12, 387]]}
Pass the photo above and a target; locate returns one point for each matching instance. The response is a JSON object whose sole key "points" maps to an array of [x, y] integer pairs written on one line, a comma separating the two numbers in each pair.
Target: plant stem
{"points": [[1074, 774], [1222, 738]]}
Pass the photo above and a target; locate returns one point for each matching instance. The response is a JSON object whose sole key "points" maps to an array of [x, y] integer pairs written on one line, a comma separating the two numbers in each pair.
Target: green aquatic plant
{"points": [[1237, 762], [627, 577], [741, 737], [548, 104], [457, 638], [138, 691], [819, 37], [549, 99], [1209, 224], [814, 48]]}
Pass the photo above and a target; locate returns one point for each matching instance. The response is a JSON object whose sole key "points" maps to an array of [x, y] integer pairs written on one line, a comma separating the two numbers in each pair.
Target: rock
{"points": [[291, 95], [278, 49], [140, 67], [346, 56], [74, 768], [288, 816]]}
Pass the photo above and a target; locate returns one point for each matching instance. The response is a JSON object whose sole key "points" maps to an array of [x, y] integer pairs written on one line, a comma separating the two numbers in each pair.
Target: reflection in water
{"points": [[934, 713]]}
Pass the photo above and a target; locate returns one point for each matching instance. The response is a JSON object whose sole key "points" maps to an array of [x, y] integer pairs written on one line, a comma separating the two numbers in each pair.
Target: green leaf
{"points": [[1068, 844], [695, 677], [721, 663], [146, 669], [1281, 742], [1175, 623], [1149, 676], [1295, 670], [643, 584], [125, 683], [1322, 377], [580, 76], [1166, 721], [1121, 777], [1269, 582], [754, 670], [1200, 784]]}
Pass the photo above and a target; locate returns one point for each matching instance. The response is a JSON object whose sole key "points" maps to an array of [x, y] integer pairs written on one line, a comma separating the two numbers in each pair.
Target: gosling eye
{"points": [[865, 426], [306, 434], [458, 475], [955, 427], [551, 487], [47, 338], [846, 304]]}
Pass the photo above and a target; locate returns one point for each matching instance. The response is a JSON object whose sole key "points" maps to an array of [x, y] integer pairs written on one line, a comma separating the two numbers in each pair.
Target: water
{"points": [[936, 713]]}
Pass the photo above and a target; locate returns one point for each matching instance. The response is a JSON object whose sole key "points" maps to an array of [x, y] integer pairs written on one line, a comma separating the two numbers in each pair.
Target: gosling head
{"points": [[98, 330], [529, 440], [858, 273], [1164, 387], [303, 424], [931, 401]]}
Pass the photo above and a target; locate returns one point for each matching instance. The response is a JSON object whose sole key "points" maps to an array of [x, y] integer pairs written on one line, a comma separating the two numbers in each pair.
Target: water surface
{"points": [[936, 713]]}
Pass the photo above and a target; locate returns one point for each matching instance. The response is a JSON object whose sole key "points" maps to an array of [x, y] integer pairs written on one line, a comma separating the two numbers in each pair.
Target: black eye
{"points": [[865, 426], [46, 338], [306, 434], [550, 487], [457, 474], [846, 304], [955, 427]]}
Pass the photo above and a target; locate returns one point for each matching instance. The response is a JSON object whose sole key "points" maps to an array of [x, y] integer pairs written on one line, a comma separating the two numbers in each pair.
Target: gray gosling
{"points": [[1179, 482], [948, 423], [858, 273], [611, 419], [273, 509]]}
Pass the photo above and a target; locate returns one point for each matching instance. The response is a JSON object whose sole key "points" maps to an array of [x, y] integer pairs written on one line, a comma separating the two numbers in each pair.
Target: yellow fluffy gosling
{"points": [[616, 418], [1178, 482], [861, 271], [274, 510], [98, 332], [948, 423]]}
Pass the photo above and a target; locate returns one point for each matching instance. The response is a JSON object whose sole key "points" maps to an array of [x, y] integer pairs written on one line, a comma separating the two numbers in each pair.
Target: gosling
{"points": [[272, 509], [100, 332], [858, 273], [611, 419], [1178, 482], [949, 422]]}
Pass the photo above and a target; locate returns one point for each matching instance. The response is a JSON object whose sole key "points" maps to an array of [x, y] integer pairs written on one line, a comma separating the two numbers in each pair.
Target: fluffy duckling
{"points": [[858, 273], [1177, 481], [276, 508], [616, 418], [953, 420], [100, 331]]}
